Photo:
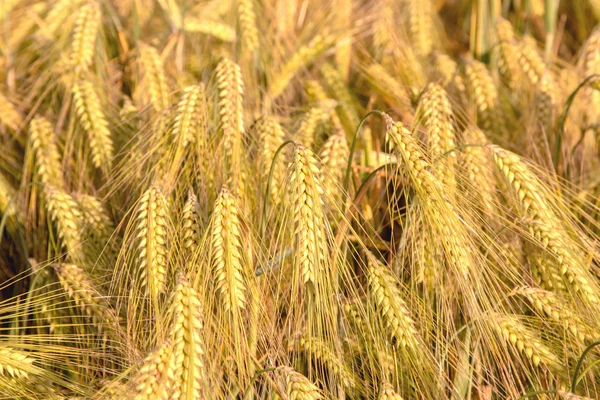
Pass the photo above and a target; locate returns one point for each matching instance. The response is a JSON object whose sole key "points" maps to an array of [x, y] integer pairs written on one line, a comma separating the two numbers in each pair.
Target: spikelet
{"points": [[484, 94], [231, 91], [384, 291], [151, 380], [91, 116], [154, 77], [186, 367], [190, 116], [307, 191], [525, 341], [80, 288], [388, 393], [65, 214], [543, 224], [190, 224], [297, 386], [303, 57], [9, 116], [228, 254], [152, 233], [436, 115], [249, 30], [46, 153], [421, 25], [85, 33], [209, 27]]}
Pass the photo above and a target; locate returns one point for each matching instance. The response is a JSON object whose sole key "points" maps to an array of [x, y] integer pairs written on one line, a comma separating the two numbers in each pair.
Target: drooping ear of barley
{"points": [[506, 53], [544, 224], [525, 341], [80, 288], [9, 116], [318, 114], [334, 160], [448, 69], [249, 30], [190, 117], [348, 107], [387, 392], [546, 108], [152, 235], [209, 27], [303, 57], [231, 117], [387, 86], [420, 24], [530, 60], [91, 116], [484, 94], [297, 386], [46, 153], [435, 113], [154, 80], [87, 25], [190, 223], [187, 374], [65, 213], [151, 380]]}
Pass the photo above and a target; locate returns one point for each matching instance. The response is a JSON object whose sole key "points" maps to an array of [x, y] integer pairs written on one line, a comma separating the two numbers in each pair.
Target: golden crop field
{"points": [[299, 199]]}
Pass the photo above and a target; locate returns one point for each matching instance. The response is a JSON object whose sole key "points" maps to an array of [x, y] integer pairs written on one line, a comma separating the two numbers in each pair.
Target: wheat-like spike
{"points": [[190, 115], [315, 92], [334, 158], [65, 214], [297, 386], [484, 93], [187, 370], [401, 141], [506, 52], [190, 224], [545, 104], [60, 11], [524, 341], [386, 85], [530, 60], [80, 288], [303, 57], [249, 30], [154, 77], [270, 136], [387, 392], [94, 213], [231, 102], [316, 115], [9, 116], [477, 167], [543, 223], [87, 25], [448, 69], [91, 116], [46, 153], [307, 193], [16, 364], [589, 61], [152, 233], [228, 253], [437, 117], [557, 309], [348, 107], [383, 24], [420, 22], [151, 380], [209, 27], [321, 351], [385, 292]]}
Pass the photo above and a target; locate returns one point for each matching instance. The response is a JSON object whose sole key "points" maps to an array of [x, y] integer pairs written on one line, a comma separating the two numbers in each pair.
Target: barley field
{"points": [[299, 199]]}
